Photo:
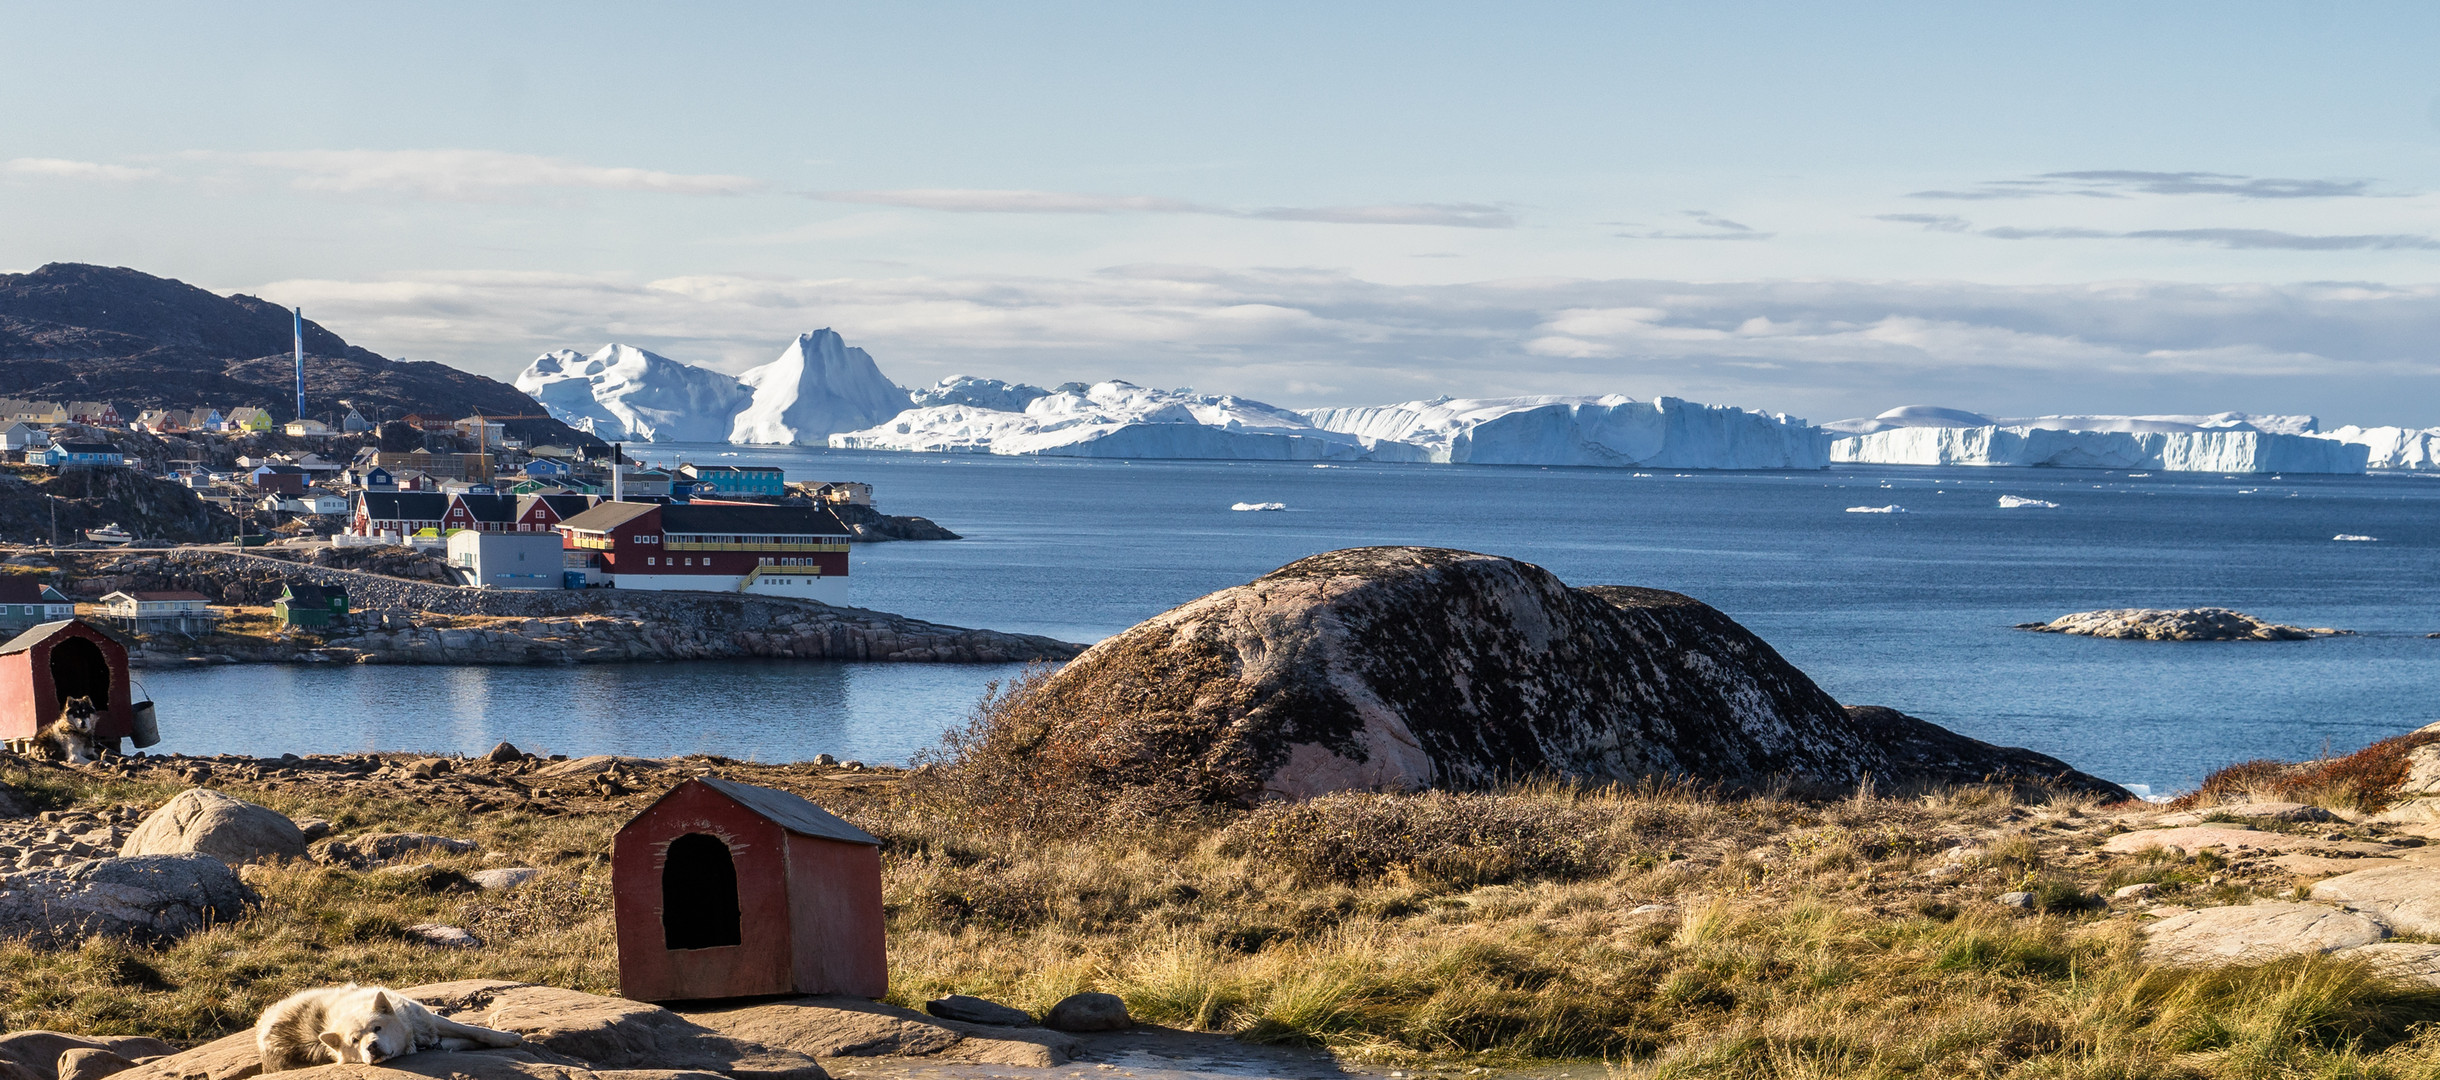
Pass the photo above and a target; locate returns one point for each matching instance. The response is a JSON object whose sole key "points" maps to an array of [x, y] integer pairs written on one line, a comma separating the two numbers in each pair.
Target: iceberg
{"points": [[623, 392], [983, 393], [1934, 416], [1258, 506], [2021, 502], [2404, 448], [1892, 508], [2222, 442], [818, 386], [2183, 451], [1612, 430], [1111, 419]]}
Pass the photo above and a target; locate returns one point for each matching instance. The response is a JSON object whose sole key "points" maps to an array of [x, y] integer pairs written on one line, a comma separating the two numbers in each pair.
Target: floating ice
{"points": [[1893, 508], [1258, 506], [2355, 538], [2013, 502]]}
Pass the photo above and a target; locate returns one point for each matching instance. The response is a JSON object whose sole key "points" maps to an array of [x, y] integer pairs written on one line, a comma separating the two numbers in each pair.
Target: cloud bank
{"points": [[995, 201], [1820, 348]]}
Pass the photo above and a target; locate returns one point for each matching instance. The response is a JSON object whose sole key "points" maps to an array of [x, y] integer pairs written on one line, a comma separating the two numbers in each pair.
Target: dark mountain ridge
{"points": [[71, 331]]}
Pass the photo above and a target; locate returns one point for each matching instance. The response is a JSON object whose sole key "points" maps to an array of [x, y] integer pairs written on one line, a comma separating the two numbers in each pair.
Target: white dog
{"points": [[354, 1024]]}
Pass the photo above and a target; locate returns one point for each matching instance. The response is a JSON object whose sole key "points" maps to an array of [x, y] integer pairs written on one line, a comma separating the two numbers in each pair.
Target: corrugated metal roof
{"points": [[41, 631], [791, 812], [607, 516]]}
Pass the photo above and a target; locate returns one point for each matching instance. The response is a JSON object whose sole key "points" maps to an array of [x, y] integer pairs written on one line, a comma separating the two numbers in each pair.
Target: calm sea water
{"points": [[1908, 610]]}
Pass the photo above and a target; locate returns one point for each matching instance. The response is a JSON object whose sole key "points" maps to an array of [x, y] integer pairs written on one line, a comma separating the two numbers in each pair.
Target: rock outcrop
{"points": [[1402, 668], [2178, 624], [207, 822], [148, 899]]}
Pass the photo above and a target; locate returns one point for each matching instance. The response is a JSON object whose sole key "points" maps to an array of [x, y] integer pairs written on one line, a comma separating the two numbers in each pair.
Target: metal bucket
{"points": [[148, 729]]}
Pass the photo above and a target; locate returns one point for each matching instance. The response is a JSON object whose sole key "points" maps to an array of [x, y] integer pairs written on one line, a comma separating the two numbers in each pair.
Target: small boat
{"points": [[109, 534]]}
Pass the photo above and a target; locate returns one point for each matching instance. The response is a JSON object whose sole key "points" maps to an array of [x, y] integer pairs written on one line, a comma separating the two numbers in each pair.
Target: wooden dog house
{"points": [[728, 890], [43, 667]]}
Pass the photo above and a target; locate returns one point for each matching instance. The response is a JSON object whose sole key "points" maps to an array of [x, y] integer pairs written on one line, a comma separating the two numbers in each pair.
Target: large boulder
{"points": [[206, 821], [830, 1027], [148, 899], [1402, 668], [612, 1033]]}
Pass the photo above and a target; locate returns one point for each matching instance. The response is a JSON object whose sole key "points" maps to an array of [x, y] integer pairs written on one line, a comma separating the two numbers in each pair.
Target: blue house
{"points": [[80, 455], [726, 480], [546, 469]]}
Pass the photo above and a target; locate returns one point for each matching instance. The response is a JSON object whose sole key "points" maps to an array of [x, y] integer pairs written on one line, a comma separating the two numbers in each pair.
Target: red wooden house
{"points": [[725, 890], [542, 513], [45, 666]]}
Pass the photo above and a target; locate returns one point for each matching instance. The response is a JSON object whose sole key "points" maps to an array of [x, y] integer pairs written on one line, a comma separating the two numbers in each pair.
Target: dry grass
{"points": [[2363, 781], [1666, 931]]}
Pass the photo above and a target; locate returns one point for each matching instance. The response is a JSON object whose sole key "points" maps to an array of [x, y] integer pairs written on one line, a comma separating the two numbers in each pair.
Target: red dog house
{"points": [[729, 890], [45, 666]]}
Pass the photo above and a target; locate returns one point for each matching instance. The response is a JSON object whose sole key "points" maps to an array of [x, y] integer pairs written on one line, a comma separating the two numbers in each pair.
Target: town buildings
{"points": [[25, 602], [733, 481], [149, 611], [509, 560]]}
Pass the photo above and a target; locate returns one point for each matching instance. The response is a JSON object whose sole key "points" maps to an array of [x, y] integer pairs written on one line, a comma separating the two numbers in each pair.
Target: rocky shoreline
{"points": [[401, 621]]}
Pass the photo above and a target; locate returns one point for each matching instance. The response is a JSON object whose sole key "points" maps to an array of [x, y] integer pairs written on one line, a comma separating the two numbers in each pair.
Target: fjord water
{"points": [[1911, 610]]}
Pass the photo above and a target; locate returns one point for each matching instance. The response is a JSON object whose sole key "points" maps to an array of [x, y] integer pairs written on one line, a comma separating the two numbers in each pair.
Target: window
{"points": [[651, 561]]}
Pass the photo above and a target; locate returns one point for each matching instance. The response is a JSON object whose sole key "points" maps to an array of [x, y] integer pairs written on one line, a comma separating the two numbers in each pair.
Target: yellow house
{"points": [[250, 418]]}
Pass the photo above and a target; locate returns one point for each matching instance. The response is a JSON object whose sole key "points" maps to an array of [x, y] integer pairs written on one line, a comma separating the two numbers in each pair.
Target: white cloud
{"points": [[997, 201], [476, 175], [64, 169], [1818, 348]]}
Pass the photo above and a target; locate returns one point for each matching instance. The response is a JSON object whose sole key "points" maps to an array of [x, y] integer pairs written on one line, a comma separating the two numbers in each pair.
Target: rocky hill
{"points": [[70, 331], [89, 499], [1402, 668]]}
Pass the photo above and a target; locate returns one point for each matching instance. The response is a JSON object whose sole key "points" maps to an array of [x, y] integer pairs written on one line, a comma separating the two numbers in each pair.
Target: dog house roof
{"points": [[42, 632], [791, 812]]}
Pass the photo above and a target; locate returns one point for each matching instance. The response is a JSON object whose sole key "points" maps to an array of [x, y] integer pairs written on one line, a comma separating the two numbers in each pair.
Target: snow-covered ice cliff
{"points": [[623, 392], [817, 387], [1934, 416], [1612, 430]]}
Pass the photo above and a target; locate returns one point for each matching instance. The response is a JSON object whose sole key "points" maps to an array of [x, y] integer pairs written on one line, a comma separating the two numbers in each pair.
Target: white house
{"points": [[509, 560], [173, 609], [22, 436]]}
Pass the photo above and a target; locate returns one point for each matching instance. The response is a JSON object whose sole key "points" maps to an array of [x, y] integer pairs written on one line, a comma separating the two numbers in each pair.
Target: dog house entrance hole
{"points": [[699, 894], [78, 669]]}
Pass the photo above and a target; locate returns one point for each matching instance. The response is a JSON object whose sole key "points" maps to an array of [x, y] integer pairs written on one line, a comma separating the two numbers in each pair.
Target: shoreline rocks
{"points": [[2177, 624]]}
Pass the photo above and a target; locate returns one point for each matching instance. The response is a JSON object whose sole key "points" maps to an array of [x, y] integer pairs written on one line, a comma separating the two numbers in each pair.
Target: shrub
{"points": [[2366, 780]]}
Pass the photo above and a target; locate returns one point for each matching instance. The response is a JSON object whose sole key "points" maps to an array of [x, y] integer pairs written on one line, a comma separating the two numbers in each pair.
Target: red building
{"points": [[45, 666], [796, 551], [543, 513], [725, 890]]}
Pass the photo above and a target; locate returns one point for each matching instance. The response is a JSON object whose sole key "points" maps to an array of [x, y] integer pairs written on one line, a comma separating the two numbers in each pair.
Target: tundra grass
{"points": [[1655, 932]]}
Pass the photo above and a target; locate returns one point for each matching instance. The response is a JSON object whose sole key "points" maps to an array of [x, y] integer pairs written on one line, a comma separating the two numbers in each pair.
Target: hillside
{"points": [[70, 331]]}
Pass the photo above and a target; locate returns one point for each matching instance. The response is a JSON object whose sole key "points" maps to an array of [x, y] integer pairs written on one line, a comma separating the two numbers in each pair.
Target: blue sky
{"points": [[1821, 209]]}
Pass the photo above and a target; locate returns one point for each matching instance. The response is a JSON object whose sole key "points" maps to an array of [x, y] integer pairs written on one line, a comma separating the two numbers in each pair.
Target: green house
{"points": [[310, 605]]}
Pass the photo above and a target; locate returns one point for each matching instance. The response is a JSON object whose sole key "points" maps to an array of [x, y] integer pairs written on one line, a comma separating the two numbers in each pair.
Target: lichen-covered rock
{"points": [[148, 899], [2405, 897], [206, 821], [1402, 668], [2180, 624]]}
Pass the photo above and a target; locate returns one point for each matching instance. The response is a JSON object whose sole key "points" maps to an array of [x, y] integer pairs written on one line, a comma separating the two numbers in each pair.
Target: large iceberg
{"points": [[2411, 449], [1934, 416], [1107, 420], [817, 387], [1612, 430], [984, 393], [623, 392], [2222, 443]]}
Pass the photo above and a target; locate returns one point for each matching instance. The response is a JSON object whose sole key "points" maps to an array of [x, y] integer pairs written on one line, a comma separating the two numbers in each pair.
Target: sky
{"points": [[1821, 209]]}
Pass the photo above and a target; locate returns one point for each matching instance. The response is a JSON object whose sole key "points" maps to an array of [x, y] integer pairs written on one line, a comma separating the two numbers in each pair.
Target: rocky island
{"points": [[2180, 624]]}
